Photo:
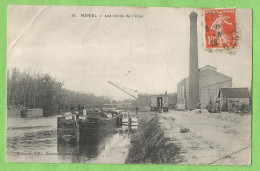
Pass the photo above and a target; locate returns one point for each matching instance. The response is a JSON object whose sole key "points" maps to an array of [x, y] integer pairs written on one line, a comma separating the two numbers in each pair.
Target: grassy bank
{"points": [[148, 144]]}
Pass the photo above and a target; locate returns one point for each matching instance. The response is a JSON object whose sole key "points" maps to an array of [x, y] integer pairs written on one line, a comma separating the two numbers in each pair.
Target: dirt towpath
{"points": [[214, 138]]}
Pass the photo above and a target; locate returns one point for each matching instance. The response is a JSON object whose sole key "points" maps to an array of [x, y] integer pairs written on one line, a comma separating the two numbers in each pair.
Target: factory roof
{"points": [[208, 67], [235, 92], [183, 81]]}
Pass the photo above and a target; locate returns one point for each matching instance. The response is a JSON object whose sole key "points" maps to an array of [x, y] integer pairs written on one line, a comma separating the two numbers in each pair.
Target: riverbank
{"points": [[213, 138], [149, 145]]}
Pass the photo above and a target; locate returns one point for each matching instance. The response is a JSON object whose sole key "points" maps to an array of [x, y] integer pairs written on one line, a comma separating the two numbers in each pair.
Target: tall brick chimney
{"points": [[193, 70]]}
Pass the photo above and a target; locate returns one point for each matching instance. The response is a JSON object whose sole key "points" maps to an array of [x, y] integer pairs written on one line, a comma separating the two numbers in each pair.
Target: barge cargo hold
{"points": [[81, 127]]}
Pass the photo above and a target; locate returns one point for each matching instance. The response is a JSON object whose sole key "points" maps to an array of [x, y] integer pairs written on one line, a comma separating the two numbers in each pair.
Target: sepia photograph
{"points": [[129, 85]]}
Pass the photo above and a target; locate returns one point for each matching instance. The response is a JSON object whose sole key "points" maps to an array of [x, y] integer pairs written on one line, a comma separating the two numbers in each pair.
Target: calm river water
{"points": [[35, 140]]}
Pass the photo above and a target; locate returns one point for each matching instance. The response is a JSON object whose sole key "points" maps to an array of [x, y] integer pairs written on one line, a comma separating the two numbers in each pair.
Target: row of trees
{"points": [[43, 91]]}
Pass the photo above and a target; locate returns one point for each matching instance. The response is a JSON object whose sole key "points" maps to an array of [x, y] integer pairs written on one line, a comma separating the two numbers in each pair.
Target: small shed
{"points": [[231, 99], [159, 102]]}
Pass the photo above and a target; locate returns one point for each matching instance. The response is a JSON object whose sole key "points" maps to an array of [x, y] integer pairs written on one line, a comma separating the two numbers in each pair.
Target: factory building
{"points": [[210, 82], [202, 85], [231, 99], [193, 66]]}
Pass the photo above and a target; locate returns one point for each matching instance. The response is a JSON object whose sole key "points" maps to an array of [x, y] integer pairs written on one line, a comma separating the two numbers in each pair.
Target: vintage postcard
{"points": [[135, 85]]}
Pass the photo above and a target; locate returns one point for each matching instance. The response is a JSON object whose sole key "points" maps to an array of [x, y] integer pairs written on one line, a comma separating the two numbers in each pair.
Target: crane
{"points": [[122, 88]]}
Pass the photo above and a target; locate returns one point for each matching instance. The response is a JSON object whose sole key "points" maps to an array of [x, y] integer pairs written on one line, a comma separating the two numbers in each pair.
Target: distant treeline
{"points": [[43, 91]]}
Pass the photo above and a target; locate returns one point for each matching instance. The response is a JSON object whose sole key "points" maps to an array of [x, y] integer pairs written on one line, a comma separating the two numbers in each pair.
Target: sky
{"points": [[149, 53]]}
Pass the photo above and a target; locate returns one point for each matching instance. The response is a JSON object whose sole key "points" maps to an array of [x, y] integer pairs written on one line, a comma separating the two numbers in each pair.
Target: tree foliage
{"points": [[43, 91]]}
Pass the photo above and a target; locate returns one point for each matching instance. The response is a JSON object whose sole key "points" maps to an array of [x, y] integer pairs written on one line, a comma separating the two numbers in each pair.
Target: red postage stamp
{"points": [[221, 28]]}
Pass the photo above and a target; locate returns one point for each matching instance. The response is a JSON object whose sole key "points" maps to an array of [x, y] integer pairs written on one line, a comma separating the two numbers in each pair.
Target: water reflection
{"points": [[96, 145], [94, 142]]}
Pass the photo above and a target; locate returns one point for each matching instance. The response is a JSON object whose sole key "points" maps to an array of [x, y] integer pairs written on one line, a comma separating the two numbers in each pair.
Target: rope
{"points": [[226, 156], [209, 124], [110, 126], [119, 141]]}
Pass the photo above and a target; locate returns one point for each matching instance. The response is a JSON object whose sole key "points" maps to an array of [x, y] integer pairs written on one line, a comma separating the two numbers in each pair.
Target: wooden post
{"points": [[129, 123], [128, 117], [119, 119], [77, 131], [129, 120]]}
